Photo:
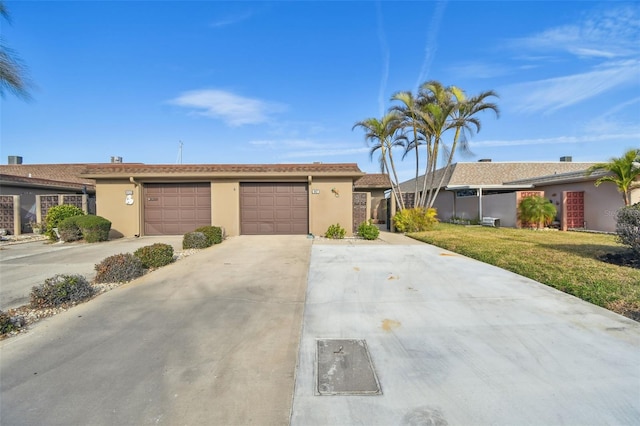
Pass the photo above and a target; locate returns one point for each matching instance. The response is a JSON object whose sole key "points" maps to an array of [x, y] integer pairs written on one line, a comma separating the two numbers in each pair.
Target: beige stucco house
{"points": [[141, 199], [472, 191]]}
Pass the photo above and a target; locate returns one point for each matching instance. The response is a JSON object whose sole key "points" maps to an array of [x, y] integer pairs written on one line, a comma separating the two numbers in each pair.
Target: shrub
{"points": [[536, 210], [368, 231], [155, 255], [194, 240], [69, 230], [336, 232], [57, 214], [628, 227], [6, 323], [60, 290], [94, 228], [417, 219], [119, 268], [213, 234]]}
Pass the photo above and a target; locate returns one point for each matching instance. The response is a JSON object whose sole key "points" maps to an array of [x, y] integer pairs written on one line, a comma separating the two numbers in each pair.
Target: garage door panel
{"points": [[274, 208], [176, 208]]}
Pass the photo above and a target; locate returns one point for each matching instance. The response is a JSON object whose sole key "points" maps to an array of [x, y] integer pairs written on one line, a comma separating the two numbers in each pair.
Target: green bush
{"points": [[628, 227], [417, 219], [94, 228], [194, 240], [69, 230], [336, 232], [60, 290], [368, 231], [7, 324], [213, 234], [155, 255], [119, 268], [536, 210], [57, 214]]}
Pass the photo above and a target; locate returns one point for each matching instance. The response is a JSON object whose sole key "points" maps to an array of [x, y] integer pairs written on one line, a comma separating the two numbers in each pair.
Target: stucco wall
{"points": [[328, 208], [600, 203], [502, 206], [225, 206], [110, 204], [444, 204]]}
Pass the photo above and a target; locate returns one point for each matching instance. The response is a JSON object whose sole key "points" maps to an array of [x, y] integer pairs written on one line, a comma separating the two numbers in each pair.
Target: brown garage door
{"points": [[274, 208], [176, 208]]}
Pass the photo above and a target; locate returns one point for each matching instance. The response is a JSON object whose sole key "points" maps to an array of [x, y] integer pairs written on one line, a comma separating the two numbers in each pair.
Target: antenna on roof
{"points": [[179, 160]]}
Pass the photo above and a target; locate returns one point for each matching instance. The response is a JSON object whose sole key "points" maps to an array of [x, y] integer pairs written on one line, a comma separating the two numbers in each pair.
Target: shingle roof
{"points": [[67, 173], [22, 181], [182, 170], [490, 173], [373, 181]]}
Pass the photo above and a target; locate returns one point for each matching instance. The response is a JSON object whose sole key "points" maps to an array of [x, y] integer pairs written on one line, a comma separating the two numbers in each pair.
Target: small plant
{"points": [[213, 234], [155, 255], [368, 231], [536, 210], [194, 240], [57, 214], [61, 290], [119, 268], [69, 230], [7, 324], [94, 228], [336, 232], [417, 219], [628, 227]]}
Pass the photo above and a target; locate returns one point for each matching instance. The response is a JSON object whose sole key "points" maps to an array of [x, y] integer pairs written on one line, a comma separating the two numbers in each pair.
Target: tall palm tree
{"points": [[410, 113], [623, 172], [465, 122], [12, 71], [384, 134]]}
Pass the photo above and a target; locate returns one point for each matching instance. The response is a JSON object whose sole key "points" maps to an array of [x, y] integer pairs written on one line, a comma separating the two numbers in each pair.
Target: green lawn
{"points": [[567, 261]]}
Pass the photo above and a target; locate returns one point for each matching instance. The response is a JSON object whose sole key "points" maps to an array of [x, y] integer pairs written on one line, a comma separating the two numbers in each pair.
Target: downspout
{"points": [[309, 210], [137, 185]]}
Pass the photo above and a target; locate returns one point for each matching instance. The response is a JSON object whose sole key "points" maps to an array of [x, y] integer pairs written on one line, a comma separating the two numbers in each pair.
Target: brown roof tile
{"points": [[69, 173], [44, 183], [124, 169], [374, 180]]}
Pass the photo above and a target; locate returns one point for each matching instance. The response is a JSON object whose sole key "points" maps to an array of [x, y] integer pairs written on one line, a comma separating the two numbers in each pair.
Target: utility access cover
{"points": [[345, 368]]}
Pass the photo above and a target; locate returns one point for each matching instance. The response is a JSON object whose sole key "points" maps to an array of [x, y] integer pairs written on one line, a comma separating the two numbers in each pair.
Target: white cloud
{"points": [[603, 34], [233, 109], [555, 93], [556, 140], [231, 20], [304, 148]]}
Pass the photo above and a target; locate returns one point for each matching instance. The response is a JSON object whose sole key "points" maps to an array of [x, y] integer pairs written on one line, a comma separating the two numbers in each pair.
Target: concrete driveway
{"points": [[25, 265], [209, 340], [459, 342], [221, 337]]}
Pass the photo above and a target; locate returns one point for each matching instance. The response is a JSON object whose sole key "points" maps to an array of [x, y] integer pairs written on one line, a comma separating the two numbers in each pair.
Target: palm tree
{"points": [[536, 209], [384, 134], [410, 115], [623, 172], [12, 71]]}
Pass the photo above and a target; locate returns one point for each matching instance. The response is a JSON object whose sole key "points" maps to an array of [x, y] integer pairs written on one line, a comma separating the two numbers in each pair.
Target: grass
{"points": [[567, 261]]}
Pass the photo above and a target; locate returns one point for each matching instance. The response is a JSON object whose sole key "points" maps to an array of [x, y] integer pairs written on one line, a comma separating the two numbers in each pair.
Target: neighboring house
{"points": [[378, 185], [141, 199], [31, 183], [472, 191]]}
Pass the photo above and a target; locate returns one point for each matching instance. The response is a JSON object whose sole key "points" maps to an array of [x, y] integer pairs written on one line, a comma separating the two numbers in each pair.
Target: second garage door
{"points": [[176, 208], [274, 208]]}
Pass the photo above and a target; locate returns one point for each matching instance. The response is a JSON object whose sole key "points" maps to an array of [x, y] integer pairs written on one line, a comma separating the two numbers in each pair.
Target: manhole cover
{"points": [[345, 368]]}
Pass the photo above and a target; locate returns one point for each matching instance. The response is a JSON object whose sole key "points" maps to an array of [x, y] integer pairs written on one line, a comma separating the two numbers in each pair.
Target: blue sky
{"points": [[284, 82]]}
